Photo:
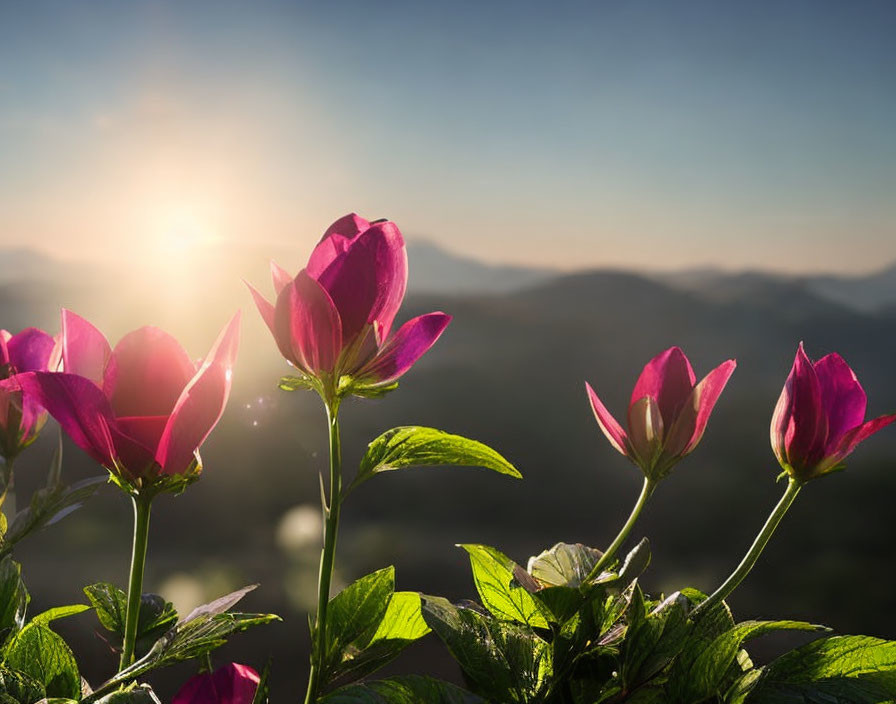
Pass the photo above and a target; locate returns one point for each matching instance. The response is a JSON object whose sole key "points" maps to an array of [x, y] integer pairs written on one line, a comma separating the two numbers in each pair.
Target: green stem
{"points": [[8, 499], [142, 504], [327, 556], [743, 569], [611, 551]]}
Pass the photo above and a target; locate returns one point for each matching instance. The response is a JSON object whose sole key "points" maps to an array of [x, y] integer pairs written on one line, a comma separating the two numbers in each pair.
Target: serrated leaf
{"points": [[206, 627], [654, 640], [43, 655], [564, 565], [401, 625], [701, 669], [416, 446], [48, 506], [19, 687], [13, 598], [156, 617], [835, 670], [493, 573], [504, 662], [409, 689], [353, 616], [46, 617]]}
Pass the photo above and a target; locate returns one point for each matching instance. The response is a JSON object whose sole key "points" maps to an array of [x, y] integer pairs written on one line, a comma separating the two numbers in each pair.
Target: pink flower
{"points": [[820, 417], [667, 414], [21, 415], [333, 321], [143, 409], [230, 684]]}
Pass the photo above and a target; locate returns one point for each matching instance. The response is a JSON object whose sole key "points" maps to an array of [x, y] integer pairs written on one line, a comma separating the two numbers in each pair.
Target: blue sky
{"points": [[636, 134]]}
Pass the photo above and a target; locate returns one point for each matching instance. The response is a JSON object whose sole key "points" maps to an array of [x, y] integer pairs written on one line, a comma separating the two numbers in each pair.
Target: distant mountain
{"points": [[865, 293], [435, 270]]}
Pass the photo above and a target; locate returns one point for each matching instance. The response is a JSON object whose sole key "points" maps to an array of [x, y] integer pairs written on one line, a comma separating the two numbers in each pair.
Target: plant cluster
{"points": [[572, 626]]}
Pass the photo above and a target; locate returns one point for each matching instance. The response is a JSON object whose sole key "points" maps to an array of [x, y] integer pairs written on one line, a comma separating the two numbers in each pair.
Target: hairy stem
{"points": [[327, 556], [142, 506], [743, 569], [611, 551]]}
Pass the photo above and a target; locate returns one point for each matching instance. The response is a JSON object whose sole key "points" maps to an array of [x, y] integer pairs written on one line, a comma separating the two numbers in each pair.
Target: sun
{"points": [[182, 230]]}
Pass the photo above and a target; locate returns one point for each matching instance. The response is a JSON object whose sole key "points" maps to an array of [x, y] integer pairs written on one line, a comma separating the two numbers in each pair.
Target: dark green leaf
{"points": [[19, 687], [415, 446], [157, 615], [410, 689], [13, 598], [564, 565], [493, 573], [653, 641], [635, 562], [701, 670], [262, 691], [836, 670], [41, 654], [504, 662]]}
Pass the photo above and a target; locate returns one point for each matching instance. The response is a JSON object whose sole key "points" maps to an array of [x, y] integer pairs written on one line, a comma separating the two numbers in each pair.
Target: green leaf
{"points": [[654, 640], [635, 562], [19, 687], [262, 692], [835, 670], [402, 624], [41, 654], [504, 662], [415, 446], [157, 615], [700, 672], [410, 689], [13, 598], [46, 617], [493, 573], [205, 628], [49, 505], [564, 565], [353, 617]]}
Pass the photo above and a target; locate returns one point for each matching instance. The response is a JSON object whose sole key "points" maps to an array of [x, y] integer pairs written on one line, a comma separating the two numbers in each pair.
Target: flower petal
{"points": [[280, 276], [79, 407], [200, 406], [853, 437], [230, 684], [334, 242], [135, 439], [645, 432], [689, 426], [265, 307], [146, 373], [614, 432], [668, 378], [842, 397], [405, 347], [30, 350], [368, 281], [85, 350], [307, 326]]}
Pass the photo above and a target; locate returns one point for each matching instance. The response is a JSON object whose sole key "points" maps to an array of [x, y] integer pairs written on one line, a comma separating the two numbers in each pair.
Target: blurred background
{"points": [[581, 185]]}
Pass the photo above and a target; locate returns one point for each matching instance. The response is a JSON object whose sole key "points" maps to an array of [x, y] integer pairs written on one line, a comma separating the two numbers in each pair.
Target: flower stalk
{"points": [[142, 504], [328, 554], [646, 491], [743, 569]]}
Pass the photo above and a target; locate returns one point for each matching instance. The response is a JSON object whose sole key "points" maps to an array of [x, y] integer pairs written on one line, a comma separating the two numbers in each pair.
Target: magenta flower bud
{"points": [[230, 684], [143, 409], [820, 417], [667, 414], [21, 415], [333, 320]]}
